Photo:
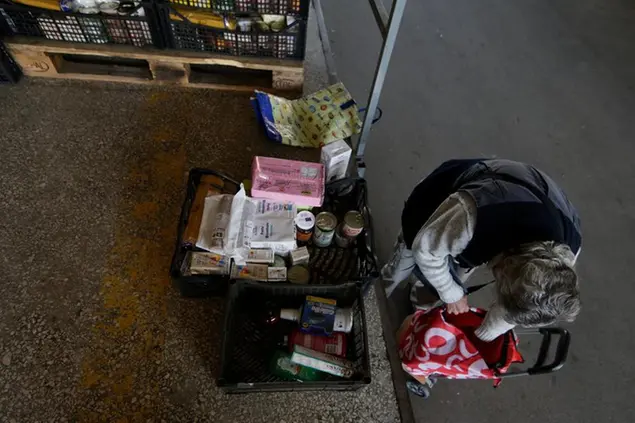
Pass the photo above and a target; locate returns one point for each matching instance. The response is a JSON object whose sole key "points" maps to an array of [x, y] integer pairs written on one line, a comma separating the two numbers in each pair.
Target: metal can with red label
{"points": [[353, 224], [342, 240]]}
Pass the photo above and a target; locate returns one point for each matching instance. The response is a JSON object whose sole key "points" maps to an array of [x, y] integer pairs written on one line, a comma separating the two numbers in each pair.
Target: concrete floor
{"points": [[550, 83], [91, 329]]}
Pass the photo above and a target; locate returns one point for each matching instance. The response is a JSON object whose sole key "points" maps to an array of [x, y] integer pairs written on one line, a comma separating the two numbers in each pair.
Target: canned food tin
{"points": [[342, 240], [304, 223], [299, 275], [353, 224], [325, 224]]}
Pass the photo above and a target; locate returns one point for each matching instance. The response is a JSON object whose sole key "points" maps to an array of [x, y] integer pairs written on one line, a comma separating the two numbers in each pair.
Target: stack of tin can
{"points": [[324, 228]]}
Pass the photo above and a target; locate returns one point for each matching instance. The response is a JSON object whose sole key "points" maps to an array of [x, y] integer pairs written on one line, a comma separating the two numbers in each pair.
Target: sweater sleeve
{"points": [[445, 235], [493, 325]]}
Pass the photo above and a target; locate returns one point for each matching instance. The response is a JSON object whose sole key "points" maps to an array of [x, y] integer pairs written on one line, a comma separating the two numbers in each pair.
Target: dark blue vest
{"points": [[516, 204]]}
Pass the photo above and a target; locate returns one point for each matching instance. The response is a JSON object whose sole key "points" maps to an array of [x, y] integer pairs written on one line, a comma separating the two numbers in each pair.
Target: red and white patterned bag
{"points": [[442, 344]]}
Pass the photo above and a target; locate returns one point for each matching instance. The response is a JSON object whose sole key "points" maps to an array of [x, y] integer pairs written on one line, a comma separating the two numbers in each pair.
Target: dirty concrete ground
{"points": [[550, 83], [91, 328]]}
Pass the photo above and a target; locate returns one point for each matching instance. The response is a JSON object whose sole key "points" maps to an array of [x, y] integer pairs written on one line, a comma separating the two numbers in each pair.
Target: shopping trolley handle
{"points": [[560, 356]]}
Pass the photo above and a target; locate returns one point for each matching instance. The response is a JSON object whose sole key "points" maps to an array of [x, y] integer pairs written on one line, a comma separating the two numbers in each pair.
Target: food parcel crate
{"points": [[252, 338], [131, 23], [257, 28], [327, 266], [199, 182], [272, 7]]}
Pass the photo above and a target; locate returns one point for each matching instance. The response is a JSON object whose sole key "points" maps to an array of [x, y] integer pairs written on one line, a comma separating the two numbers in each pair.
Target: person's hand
{"points": [[461, 306]]}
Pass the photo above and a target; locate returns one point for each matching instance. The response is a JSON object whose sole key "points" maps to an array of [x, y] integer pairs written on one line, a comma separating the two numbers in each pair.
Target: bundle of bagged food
{"points": [[318, 345], [294, 337], [291, 228], [293, 250]]}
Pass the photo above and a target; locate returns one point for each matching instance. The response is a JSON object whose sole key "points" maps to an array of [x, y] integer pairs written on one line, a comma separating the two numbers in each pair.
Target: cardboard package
{"points": [[287, 180], [335, 157]]}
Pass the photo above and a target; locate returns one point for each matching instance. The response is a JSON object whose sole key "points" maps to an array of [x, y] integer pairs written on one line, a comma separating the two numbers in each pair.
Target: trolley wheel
{"points": [[431, 381], [418, 389]]}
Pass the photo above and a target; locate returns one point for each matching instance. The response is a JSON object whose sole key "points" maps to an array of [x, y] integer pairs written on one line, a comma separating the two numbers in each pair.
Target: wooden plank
{"points": [[118, 63], [177, 73], [34, 63], [288, 80], [52, 46]]}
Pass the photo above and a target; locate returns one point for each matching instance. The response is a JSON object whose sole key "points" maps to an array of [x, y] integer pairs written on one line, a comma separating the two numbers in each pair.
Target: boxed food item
{"points": [[260, 255], [250, 271], [300, 256], [287, 180], [335, 158], [277, 274], [321, 361], [207, 263]]}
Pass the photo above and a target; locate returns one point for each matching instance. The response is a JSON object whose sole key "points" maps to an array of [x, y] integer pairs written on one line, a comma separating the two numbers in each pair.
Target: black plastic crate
{"points": [[9, 70], [249, 341], [197, 285], [334, 265], [328, 266], [273, 7], [184, 35], [100, 28]]}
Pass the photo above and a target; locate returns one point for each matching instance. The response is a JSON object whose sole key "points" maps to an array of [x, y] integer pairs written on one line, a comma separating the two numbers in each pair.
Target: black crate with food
{"points": [[233, 33], [200, 183], [9, 71], [355, 261], [262, 347], [83, 21], [273, 7]]}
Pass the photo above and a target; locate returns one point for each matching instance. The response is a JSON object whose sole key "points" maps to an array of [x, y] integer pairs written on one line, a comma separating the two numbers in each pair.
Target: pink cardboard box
{"points": [[287, 180]]}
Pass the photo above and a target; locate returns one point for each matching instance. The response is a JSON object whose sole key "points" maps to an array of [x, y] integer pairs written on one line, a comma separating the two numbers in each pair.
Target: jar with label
{"points": [[304, 225]]}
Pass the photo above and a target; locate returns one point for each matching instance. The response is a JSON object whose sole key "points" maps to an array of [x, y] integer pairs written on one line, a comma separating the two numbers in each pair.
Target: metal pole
{"points": [[396, 13]]}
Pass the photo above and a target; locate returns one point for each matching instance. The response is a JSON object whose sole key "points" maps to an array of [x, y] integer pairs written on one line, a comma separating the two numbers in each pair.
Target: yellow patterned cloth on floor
{"points": [[325, 116]]}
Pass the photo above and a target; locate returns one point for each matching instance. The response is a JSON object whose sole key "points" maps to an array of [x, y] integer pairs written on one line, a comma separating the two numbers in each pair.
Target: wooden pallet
{"points": [[121, 63]]}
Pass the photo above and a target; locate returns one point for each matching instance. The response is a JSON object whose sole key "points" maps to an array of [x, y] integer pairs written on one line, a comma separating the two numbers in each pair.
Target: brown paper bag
{"points": [[209, 185]]}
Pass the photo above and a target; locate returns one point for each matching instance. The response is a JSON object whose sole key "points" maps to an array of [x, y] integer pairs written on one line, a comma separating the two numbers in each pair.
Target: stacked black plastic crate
{"points": [[259, 28], [250, 336], [9, 71], [119, 22]]}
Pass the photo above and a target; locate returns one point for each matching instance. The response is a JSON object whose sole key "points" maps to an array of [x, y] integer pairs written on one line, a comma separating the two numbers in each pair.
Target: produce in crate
{"points": [[203, 17]]}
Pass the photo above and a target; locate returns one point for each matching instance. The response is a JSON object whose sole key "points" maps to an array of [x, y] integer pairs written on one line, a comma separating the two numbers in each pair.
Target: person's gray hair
{"points": [[536, 284]]}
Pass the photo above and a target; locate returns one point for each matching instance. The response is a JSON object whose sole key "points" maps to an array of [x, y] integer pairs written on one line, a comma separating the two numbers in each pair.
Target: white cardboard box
{"points": [[335, 157]]}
